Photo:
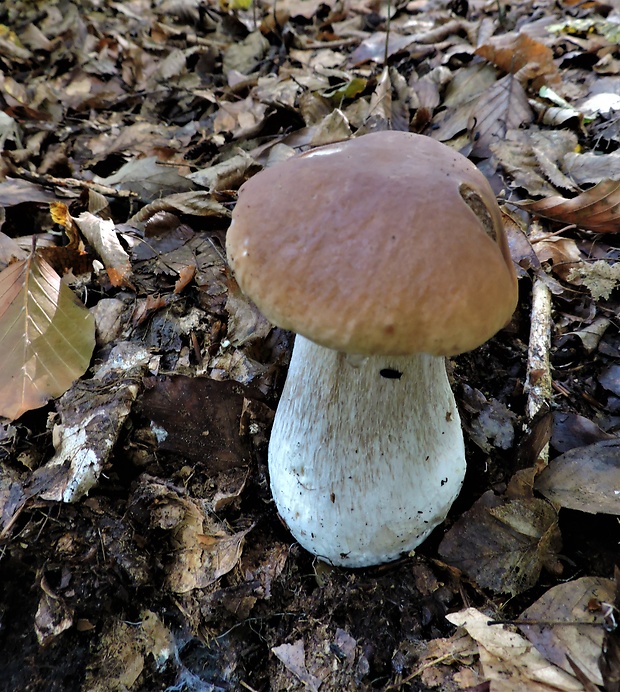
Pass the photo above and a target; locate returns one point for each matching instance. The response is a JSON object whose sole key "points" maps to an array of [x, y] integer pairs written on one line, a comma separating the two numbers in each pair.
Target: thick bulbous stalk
{"points": [[366, 454]]}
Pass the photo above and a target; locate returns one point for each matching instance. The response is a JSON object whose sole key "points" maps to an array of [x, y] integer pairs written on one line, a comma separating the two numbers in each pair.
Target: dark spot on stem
{"points": [[390, 374]]}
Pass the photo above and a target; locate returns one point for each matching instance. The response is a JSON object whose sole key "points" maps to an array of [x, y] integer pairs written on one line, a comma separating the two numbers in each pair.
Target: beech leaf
{"points": [[585, 478], [502, 544], [564, 623], [596, 209], [46, 336]]}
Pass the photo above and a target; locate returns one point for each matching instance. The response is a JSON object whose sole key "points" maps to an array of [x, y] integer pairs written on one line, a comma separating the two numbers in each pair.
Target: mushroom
{"points": [[384, 253]]}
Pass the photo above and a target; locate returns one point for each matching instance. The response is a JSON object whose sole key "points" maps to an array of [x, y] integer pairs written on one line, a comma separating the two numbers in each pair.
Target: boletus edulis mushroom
{"points": [[385, 254]]}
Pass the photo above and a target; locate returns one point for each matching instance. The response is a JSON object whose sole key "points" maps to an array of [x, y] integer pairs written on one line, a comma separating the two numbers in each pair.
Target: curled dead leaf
{"points": [[596, 209]]}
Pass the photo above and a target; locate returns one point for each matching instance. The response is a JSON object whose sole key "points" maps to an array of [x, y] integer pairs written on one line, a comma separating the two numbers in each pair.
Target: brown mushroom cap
{"points": [[369, 246]]}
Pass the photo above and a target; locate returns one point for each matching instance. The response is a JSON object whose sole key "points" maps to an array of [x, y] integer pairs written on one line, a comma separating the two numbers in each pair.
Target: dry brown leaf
{"points": [[294, 658], [203, 548], [227, 175], [562, 253], [194, 203], [571, 430], [503, 545], [373, 47], [186, 274], [591, 167], [502, 107], [597, 209], [198, 418], [101, 234], [15, 191], [46, 336], [489, 116], [245, 322], [60, 215], [562, 610], [586, 478], [508, 660], [489, 423], [512, 52], [148, 178], [52, 618], [198, 562], [241, 119], [469, 82]]}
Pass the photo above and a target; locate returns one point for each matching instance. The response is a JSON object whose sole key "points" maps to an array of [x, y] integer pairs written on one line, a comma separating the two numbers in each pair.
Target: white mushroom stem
{"points": [[366, 454]]}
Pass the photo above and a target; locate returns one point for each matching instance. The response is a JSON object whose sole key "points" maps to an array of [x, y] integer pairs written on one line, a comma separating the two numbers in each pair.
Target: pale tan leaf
{"points": [[509, 661], [293, 656], [568, 614], [101, 234], [46, 336], [597, 209], [227, 175], [586, 478]]}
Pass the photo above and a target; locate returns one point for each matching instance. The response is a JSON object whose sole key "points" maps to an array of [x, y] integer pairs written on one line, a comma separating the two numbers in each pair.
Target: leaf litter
{"points": [[134, 499]]}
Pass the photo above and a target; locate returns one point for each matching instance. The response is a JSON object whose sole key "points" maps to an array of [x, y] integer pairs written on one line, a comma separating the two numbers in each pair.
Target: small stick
{"points": [[539, 383], [388, 25]]}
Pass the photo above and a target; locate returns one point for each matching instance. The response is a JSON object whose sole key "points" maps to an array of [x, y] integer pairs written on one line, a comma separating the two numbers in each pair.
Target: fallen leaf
{"points": [[195, 203], [586, 478], [227, 175], [490, 423], [562, 253], [102, 235], [561, 611], [51, 619], [610, 378], [597, 209], [503, 545], [293, 656], [489, 116], [148, 178], [509, 660], [15, 191], [46, 336], [118, 660], [10, 251], [589, 168], [571, 430], [203, 548], [512, 52], [245, 322]]}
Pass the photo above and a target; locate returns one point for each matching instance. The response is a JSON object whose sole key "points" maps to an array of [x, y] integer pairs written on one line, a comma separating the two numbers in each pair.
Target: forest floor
{"points": [[140, 548]]}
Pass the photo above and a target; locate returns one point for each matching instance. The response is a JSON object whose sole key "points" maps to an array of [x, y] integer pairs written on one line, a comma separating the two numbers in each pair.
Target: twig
{"points": [[388, 25], [50, 180], [539, 383]]}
